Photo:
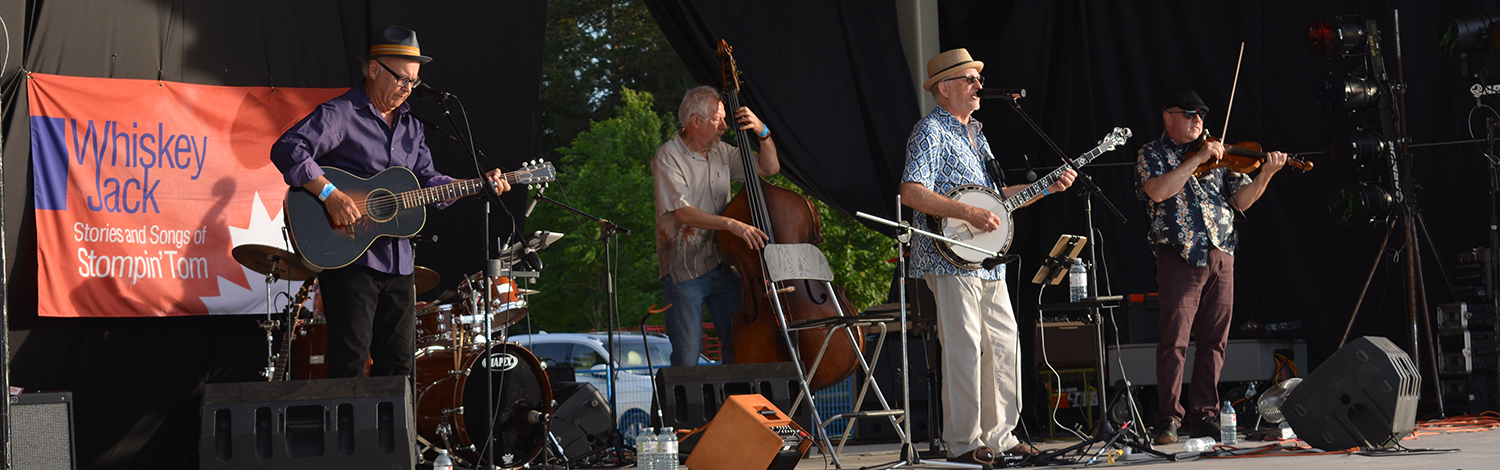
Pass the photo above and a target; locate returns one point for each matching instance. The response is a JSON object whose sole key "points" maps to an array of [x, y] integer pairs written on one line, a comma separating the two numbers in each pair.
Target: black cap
{"points": [[1182, 98]]}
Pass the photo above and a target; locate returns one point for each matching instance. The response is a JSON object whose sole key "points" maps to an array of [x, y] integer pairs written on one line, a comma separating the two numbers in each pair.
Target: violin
{"points": [[1243, 157]]}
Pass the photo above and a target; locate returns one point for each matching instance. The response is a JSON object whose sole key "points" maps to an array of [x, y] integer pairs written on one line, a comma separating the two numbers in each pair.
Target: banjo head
{"points": [[959, 229]]}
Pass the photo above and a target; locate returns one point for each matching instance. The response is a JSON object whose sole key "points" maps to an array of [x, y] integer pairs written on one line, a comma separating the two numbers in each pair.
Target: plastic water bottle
{"points": [[1078, 281], [1228, 427], [1198, 444], [667, 442], [647, 449], [442, 462]]}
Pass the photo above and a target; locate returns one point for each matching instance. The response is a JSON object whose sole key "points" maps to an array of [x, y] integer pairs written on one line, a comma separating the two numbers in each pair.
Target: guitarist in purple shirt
{"points": [[364, 131]]}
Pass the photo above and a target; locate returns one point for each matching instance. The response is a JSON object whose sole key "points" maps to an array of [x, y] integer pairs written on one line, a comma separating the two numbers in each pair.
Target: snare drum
{"points": [[507, 305], [452, 405]]}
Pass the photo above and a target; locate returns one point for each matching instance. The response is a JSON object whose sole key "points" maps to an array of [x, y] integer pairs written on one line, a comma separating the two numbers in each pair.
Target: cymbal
{"points": [[427, 279], [272, 260]]}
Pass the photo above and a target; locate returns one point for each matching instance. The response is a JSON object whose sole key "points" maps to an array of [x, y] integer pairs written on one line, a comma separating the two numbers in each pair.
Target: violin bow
{"points": [[1232, 87]]}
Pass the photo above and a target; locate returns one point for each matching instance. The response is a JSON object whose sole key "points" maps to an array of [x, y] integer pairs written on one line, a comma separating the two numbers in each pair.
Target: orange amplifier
{"points": [[750, 433]]}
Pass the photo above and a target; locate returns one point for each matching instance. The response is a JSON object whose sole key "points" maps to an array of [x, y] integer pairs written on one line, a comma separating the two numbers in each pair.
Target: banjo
{"points": [[986, 198]]}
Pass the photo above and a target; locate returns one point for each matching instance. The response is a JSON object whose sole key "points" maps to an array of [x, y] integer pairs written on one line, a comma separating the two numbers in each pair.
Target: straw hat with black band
{"points": [[396, 41], [947, 65]]}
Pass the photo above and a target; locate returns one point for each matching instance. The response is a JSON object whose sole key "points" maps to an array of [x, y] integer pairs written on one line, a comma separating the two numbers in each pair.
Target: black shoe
{"points": [[1208, 426], [1165, 432]]}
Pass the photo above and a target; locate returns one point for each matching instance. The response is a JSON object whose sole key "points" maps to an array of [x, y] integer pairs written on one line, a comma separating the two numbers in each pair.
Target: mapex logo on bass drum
{"points": [[501, 362]]}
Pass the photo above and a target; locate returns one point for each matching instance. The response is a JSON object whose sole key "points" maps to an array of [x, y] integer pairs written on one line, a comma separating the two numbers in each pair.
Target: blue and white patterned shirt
{"points": [[943, 154], [1198, 218]]}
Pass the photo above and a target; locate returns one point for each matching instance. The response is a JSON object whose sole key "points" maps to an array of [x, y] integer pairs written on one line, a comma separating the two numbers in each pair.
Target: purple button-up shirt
{"points": [[347, 132]]}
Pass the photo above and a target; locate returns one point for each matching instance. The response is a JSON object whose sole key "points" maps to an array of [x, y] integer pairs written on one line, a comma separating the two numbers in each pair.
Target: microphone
{"points": [[1030, 173], [425, 91], [990, 263], [534, 199], [1009, 94]]}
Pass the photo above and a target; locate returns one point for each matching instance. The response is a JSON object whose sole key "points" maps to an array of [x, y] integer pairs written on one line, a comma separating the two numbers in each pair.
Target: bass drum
{"points": [[452, 405]]}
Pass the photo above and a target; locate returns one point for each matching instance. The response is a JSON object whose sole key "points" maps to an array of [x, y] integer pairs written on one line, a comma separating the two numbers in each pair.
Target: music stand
{"points": [[1059, 260]]}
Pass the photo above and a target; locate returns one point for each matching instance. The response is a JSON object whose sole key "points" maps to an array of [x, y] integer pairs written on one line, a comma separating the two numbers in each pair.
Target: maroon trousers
{"points": [[1198, 302]]}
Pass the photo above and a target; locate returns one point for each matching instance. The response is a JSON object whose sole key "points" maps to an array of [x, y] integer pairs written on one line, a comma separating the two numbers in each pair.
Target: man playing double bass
{"points": [[1192, 232], [981, 363], [692, 173]]}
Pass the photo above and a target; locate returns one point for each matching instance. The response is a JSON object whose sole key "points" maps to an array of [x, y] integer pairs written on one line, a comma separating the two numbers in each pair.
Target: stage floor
{"points": [[1471, 450]]}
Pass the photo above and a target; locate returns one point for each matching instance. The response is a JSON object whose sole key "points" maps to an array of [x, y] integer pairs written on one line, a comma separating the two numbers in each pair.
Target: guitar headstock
{"points": [[535, 172], [1115, 138], [730, 71]]}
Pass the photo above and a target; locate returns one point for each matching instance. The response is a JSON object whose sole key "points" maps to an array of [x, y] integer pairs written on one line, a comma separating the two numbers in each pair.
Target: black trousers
{"points": [[370, 316]]}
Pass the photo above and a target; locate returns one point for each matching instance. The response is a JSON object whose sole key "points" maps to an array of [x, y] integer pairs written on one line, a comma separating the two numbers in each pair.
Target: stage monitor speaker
{"points": [[362, 422], [694, 394], [582, 420], [750, 433], [41, 431], [1365, 395]]}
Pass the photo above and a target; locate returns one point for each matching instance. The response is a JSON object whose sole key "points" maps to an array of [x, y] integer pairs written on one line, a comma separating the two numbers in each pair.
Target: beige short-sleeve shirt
{"points": [[687, 178]]}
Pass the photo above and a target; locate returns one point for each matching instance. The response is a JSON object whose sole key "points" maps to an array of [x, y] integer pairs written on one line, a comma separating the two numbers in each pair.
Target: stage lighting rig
{"points": [[1338, 94], [1361, 202], [1459, 36], [1338, 36], [1358, 149]]}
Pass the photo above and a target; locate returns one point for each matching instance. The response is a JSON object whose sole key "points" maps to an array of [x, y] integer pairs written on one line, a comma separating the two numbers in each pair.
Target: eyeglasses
{"points": [[971, 78], [1191, 113], [401, 80]]}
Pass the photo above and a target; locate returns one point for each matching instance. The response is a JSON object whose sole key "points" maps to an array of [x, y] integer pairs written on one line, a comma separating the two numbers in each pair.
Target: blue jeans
{"points": [[719, 291]]}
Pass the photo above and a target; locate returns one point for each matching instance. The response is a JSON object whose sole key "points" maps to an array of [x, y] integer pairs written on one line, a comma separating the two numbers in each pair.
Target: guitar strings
{"points": [[416, 197]]}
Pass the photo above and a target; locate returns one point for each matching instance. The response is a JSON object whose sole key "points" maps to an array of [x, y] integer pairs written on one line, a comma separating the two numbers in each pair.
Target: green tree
{"points": [[606, 171], [596, 48]]}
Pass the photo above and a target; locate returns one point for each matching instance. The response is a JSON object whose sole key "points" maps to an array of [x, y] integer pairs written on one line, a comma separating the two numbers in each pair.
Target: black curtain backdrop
{"points": [[137, 382], [839, 98]]}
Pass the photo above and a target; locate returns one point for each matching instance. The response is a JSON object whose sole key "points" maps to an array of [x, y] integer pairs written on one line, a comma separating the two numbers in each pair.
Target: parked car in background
{"points": [[588, 355]]}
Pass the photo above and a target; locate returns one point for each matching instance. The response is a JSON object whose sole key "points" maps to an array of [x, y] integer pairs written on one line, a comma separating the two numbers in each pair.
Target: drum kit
{"points": [[459, 374]]}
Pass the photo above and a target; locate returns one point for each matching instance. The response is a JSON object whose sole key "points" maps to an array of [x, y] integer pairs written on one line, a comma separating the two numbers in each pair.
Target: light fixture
{"points": [[1358, 149], [1337, 94], [1334, 36], [1463, 35], [1361, 202]]}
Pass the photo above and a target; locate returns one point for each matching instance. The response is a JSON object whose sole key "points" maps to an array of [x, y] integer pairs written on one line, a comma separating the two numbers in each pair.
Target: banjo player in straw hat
{"points": [[981, 360]]}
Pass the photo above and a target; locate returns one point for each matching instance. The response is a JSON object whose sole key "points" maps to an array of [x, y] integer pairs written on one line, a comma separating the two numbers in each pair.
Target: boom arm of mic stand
{"points": [[489, 186], [991, 255], [605, 225], [1087, 182]]}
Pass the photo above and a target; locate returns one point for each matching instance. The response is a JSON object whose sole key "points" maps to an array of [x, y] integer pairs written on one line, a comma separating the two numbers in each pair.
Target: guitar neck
{"points": [[446, 192], [1014, 202]]}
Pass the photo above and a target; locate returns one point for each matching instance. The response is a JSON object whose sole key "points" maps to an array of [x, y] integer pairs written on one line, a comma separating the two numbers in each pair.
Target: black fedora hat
{"points": [[396, 41]]}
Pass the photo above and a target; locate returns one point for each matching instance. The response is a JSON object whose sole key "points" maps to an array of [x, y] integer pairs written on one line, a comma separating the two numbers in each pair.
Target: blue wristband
{"points": [[764, 130], [327, 190], [1045, 192]]}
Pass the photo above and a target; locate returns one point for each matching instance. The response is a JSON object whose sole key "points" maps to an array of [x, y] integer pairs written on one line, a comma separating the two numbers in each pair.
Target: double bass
{"points": [[785, 217]]}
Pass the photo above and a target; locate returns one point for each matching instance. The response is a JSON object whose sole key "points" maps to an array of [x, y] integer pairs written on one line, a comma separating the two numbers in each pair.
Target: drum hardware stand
{"points": [[909, 453]]}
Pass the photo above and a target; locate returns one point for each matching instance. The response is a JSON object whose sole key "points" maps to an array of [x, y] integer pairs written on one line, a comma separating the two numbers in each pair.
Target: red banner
{"points": [[143, 188]]}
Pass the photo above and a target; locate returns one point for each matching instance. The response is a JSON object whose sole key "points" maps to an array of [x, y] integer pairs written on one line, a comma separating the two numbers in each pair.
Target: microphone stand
{"points": [[492, 264], [1095, 315], [608, 231]]}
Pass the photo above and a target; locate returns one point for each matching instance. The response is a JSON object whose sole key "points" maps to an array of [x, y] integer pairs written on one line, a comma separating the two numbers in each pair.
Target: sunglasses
{"points": [[971, 78], [1192, 113], [401, 80]]}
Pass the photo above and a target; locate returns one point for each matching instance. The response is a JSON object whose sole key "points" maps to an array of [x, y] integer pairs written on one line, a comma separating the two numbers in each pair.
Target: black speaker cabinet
{"points": [[694, 394], [363, 422], [1365, 396], [41, 431], [582, 419]]}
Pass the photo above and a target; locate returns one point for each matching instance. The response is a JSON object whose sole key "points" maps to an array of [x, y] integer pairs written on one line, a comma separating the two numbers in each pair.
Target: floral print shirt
{"points": [[943, 154], [1198, 218]]}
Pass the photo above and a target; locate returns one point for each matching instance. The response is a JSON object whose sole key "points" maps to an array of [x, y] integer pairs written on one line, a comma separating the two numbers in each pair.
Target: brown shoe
{"points": [[981, 455], [1022, 449]]}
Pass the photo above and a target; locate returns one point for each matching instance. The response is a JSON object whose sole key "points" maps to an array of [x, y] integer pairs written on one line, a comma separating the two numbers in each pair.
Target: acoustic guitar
{"points": [[394, 205]]}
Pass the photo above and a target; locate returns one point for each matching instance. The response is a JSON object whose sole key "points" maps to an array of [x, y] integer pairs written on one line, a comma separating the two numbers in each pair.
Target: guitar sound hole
{"points": [[380, 205]]}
